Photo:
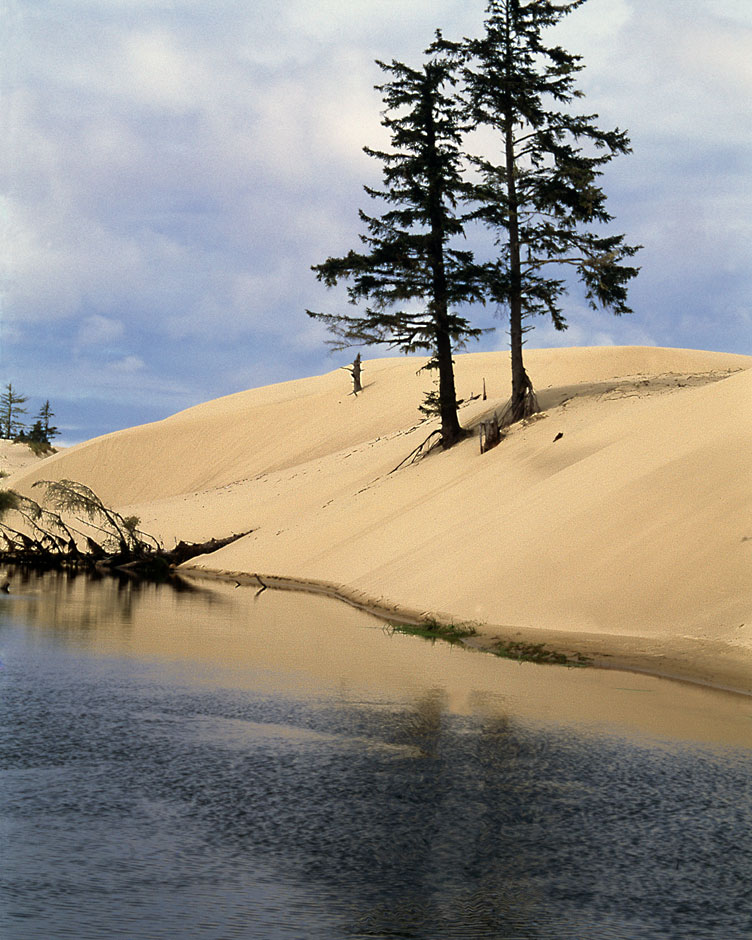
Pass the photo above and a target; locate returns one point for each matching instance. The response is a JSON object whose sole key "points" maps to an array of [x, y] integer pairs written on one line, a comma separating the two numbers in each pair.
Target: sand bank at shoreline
{"points": [[687, 659], [630, 536], [258, 644]]}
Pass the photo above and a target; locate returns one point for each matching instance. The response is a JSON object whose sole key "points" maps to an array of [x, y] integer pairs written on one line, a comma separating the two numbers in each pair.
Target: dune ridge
{"points": [[628, 538]]}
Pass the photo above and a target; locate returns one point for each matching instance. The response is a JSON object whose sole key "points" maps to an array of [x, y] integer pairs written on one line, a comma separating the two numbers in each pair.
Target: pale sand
{"points": [[16, 457], [630, 538]]}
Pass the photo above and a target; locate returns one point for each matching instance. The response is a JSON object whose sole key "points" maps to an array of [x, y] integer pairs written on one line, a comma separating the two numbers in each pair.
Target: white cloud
{"points": [[177, 166], [589, 327], [673, 70], [97, 330], [128, 365], [594, 31], [157, 70]]}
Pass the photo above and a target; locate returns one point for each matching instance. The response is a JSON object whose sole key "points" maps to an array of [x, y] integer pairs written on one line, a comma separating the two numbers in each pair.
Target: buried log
{"points": [[43, 537], [490, 433]]}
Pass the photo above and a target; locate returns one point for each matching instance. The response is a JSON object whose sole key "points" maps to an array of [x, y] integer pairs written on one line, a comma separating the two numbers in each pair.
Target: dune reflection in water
{"points": [[199, 765]]}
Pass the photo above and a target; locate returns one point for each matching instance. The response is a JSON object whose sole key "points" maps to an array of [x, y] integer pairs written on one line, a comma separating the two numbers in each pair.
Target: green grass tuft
{"points": [[538, 653], [41, 448], [435, 630]]}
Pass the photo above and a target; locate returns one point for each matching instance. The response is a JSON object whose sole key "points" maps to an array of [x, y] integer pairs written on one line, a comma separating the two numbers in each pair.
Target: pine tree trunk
{"points": [[451, 430], [522, 402]]}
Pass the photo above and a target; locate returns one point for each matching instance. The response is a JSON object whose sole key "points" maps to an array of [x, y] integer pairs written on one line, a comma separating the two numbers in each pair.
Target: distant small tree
{"points": [[11, 406], [37, 439], [36, 433], [46, 414]]}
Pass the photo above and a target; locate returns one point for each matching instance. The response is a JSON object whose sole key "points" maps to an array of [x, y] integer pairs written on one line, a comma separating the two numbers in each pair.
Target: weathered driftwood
{"points": [[149, 563], [162, 560], [42, 538]]}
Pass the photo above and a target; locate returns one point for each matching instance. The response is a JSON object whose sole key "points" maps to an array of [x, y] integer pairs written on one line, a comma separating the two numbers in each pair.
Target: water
{"points": [[200, 765]]}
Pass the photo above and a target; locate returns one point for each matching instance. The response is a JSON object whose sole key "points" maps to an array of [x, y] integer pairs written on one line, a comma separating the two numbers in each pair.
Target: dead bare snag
{"points": [[355, 371]]}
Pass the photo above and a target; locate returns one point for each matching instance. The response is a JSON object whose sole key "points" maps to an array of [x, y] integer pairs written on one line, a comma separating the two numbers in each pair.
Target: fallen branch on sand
{"points": [[425, 447], [75, 529]]}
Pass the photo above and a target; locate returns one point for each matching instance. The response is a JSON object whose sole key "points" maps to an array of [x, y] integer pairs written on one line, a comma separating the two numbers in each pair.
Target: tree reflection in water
{"points": [[138, 798]]}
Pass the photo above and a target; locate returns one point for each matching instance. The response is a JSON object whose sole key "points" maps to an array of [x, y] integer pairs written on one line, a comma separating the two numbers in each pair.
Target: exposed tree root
{"points": [[521, 405], [518, 408]]}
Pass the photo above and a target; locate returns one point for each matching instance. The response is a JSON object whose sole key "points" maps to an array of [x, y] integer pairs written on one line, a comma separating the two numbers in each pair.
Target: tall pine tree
{"points": [[408, 269], [541, 199]]}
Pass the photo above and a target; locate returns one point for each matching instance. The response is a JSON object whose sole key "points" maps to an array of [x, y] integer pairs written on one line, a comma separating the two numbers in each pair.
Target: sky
{"points": [[171, 169]]}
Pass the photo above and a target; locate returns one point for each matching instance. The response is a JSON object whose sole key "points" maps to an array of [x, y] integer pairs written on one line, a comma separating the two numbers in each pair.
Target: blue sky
{"points": [[175, 167]]}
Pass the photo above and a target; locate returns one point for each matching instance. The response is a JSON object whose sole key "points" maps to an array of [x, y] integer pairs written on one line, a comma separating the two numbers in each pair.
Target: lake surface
{"points": [[203, 764]]}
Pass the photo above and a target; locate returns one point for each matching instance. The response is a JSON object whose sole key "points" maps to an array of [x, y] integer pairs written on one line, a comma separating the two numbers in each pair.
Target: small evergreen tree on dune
{"points": [[44, 419], [38, 439], [11, 406], [39, 435]]}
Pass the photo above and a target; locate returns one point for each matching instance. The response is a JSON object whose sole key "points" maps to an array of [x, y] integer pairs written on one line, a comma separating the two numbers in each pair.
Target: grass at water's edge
{"points": [[538, 653], [459, 632], [435, 630], [666, 665]]}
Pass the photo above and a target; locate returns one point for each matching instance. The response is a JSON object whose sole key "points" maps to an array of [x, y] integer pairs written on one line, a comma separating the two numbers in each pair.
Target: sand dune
{"points": [[16, 457], [630, 537]]}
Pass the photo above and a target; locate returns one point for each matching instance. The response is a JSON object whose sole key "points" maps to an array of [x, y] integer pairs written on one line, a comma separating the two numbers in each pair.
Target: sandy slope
{"points": [[16, 457], [629, 537]]}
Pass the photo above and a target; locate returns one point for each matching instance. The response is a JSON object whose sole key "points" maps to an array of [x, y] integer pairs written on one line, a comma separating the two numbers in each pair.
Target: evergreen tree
{"points": [[46, 414], [36, 434], [408, 268], [11, 406], [542, 200]]}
